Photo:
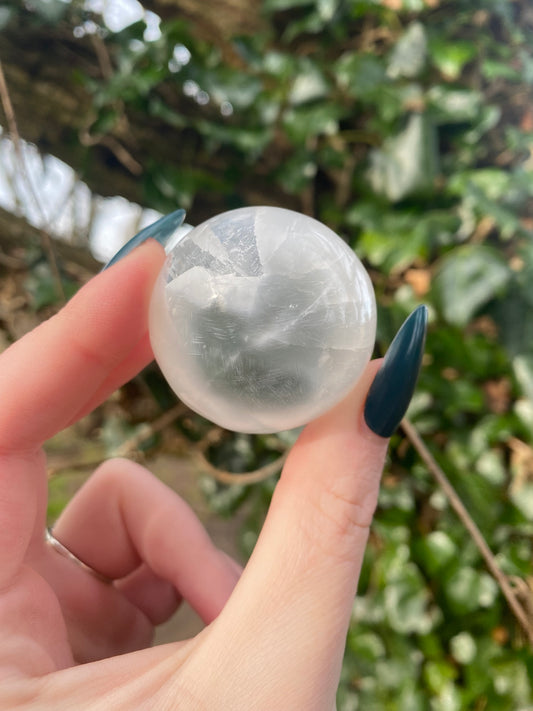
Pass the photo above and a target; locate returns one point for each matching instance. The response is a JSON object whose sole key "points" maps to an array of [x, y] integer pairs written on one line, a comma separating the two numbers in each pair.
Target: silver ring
{"points": [[64, 551]]}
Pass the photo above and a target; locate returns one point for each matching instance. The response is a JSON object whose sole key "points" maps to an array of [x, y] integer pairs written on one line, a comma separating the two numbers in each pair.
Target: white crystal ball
{"points": [[262, 319]]}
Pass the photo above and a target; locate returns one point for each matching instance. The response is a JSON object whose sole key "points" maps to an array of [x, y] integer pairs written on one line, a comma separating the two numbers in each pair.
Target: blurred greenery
{"points": [[408, 128]]}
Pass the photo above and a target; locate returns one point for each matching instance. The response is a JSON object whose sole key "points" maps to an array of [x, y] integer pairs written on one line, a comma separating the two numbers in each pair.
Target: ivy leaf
{"points": [[437, 550], [523, 370], [50, 10], [408, 163], [406, 603], [307, 121], [468, 278], [468, 590], [6, 15], [281, 5], [451, 57], [408, 57], [360, 75], [452, 106], [42, 287], [308, 85]]}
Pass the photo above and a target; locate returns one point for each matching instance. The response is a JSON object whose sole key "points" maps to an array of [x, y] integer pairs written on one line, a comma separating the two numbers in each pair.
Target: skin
{"points": [[274, 636]]}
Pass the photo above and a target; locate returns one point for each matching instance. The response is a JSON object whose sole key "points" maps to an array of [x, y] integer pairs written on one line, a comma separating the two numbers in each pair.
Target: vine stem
{"points": [[246, 478], [17, 144], [471, 527]]}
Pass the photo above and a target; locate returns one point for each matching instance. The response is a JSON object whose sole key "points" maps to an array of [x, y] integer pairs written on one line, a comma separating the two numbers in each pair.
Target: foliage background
{"points": [[406, 126]]}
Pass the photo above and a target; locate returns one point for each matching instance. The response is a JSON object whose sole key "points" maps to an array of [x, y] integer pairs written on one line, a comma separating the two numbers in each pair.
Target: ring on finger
{"points": [[52, 541]]}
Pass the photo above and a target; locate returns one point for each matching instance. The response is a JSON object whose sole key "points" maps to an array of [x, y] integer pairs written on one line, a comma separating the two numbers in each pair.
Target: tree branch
{"points": [[46, 241], [471, 527]]}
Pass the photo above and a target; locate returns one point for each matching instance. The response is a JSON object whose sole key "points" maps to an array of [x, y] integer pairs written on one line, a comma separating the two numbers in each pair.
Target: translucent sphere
{"points": [[262, 319]]}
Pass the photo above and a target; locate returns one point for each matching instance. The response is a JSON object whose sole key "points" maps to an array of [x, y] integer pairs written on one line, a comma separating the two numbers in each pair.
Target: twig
{"points": [[144, 433], [167, 418], [13, 263], [102, 55], [128, 446], [470, 526], [118, 150], [255, 476], [245, 478], [15, 137]]}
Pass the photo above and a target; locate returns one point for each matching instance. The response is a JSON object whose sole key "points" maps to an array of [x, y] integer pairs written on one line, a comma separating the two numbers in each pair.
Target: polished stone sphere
{"points": [[262, 319]]}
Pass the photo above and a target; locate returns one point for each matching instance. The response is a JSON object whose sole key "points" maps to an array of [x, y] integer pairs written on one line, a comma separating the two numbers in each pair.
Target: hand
{"points": [[275, 640]]}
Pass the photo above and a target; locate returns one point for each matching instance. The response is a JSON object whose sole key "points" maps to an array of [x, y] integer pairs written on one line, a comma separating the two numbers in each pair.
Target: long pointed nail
{"points": [[161, 231], [391, 392]]}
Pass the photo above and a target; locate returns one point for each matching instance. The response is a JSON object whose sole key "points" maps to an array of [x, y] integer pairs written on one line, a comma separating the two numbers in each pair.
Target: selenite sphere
{"points": [[262, 319]]}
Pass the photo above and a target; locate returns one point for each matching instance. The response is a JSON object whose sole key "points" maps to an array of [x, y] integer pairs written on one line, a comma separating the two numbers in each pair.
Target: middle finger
{"points": [[123, 517]]}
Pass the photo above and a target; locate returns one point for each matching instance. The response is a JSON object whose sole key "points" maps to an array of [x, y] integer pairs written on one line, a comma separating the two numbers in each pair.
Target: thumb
{"points": [[288, 616]]}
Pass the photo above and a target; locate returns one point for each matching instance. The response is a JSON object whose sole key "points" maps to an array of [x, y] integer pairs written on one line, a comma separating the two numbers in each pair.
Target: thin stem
{"points": [[17, 143], [246, 478], [470, 526]]}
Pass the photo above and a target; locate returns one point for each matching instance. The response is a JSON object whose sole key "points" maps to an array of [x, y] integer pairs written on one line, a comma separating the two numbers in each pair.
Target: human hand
{"points": [[276, 640]]}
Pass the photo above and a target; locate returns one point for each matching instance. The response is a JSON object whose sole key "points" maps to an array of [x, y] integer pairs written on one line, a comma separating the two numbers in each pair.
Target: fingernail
{"points": [[160, 231], [391, 392]]}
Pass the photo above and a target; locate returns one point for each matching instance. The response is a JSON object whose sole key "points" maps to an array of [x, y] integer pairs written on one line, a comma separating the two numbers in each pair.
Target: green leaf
{"points": [[159, 109], [367, 646], [392, 251], [240, 89], [360, 75], [252, 141], [449, 699], [406, 603], [523, 370], [6, 14], [438, 675], [468, 590], [304, 122], [408, 58], [451, 57], [522, 497], [309, 84], [468, 278], [408, 163], [298, 171], [463, 647], [491, 466], [42, 287], [494, 69], [278, 5], [514, 313], [452, 105], [437, 550], [49, 10], [393, 240], [491, 182]]}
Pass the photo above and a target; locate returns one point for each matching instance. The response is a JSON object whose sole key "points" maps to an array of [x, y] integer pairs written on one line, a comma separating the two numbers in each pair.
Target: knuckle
{"points": [[337, 516], [118, 472], [91, 357]]}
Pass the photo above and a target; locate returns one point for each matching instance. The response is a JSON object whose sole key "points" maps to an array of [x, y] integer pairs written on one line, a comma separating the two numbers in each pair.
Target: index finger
{"points": [[74, 360]]}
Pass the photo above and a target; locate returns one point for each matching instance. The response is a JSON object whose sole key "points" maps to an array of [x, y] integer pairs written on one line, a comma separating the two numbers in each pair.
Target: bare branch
{"points": [[471, 527], [15, 137], [246, 478]]}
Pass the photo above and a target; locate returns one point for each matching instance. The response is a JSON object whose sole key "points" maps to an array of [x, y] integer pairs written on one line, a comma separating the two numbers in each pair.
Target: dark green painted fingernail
{"points": [[160, 231], [391, 392]]}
